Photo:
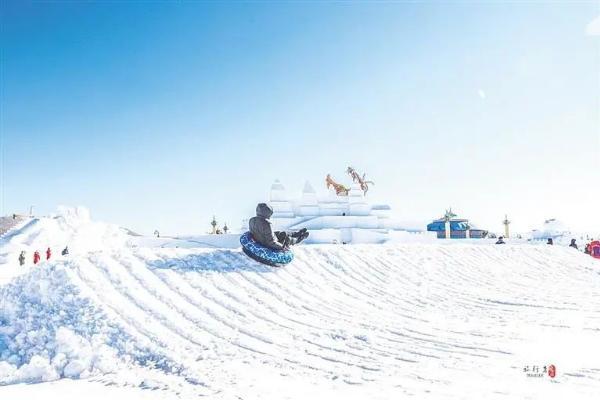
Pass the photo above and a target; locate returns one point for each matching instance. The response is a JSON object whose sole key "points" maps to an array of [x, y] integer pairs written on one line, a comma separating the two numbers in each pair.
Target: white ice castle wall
{"points": [[331, 218]]}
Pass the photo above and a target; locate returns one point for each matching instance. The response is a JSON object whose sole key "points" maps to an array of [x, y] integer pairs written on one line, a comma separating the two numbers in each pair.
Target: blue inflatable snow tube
{"points": [[264, 254]]}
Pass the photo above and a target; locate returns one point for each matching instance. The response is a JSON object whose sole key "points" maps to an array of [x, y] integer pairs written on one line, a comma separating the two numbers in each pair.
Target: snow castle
{"points": [[331, 218], [552, 229]]}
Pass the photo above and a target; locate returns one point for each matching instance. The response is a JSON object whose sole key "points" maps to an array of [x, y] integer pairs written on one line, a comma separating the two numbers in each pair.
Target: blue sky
{"points": [[160, 114]]}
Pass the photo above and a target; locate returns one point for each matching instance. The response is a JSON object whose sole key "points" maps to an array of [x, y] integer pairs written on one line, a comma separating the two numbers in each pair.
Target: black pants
{"points": [[291, 238], [285, 238]]}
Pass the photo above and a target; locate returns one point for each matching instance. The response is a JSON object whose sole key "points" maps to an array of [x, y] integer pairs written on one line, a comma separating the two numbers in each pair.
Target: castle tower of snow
{"points": [[279, 200], [357, 204], [309, 204]]}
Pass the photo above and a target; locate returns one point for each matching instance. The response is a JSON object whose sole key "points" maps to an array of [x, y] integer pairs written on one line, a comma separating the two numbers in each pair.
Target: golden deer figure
{"points": [[364, 184], [340, 189]]}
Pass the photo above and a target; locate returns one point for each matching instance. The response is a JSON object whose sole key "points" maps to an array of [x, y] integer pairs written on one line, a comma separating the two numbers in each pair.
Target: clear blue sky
{"points": [[161, 114]]}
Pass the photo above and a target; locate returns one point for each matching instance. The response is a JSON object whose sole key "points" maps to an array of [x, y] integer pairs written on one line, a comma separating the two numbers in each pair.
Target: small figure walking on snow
{"points": [[22, 258], [550, 241], [573, 244], [36, 257], [65, 251], [48, 253], [500, 240]]}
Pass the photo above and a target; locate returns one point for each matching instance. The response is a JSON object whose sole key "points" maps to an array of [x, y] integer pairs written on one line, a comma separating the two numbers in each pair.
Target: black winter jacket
{"points": [[260, 227]]}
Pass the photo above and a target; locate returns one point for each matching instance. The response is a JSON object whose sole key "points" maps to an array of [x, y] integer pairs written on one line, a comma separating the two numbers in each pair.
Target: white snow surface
{"points": [[447, 320]]}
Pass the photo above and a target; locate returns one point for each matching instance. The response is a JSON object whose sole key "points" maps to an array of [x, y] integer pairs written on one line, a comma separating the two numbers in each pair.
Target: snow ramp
{"points": [[364, 321]]}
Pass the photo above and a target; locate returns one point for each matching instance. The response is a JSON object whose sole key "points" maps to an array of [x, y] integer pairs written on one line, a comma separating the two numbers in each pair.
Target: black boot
{"points": [[299, 233], [302, 236]]}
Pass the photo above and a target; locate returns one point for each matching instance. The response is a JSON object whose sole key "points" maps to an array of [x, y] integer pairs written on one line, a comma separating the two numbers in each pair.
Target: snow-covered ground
{"points": [[147, 320]]}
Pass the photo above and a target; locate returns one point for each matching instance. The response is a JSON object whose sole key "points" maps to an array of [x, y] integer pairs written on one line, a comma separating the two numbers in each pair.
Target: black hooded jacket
{"points": [[260, 227]]}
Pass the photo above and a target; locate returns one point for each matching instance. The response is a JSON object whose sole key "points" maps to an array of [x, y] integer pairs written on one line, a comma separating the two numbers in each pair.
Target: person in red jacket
{"points": [[36, 257], [48, 253], [595, 249]]}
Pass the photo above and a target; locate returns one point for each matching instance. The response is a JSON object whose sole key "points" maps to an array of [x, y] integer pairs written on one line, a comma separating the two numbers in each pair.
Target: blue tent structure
{"points": [[458, 229]]}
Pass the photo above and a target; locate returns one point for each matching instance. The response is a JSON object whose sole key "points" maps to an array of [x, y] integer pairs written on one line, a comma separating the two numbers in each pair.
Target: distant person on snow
{"points": [[36, 257], [262, 232], [550, 241], [65, 251], [500, 240], [48, 253], [22, 258], [573, 244], [588, 248]]}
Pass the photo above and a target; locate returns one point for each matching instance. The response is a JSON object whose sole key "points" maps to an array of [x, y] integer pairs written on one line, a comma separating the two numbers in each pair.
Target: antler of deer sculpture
{"points": [[364, 184]]}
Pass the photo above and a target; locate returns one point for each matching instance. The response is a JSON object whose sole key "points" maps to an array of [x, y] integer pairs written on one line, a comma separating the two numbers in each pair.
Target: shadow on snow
{"points": [[223, 260]]}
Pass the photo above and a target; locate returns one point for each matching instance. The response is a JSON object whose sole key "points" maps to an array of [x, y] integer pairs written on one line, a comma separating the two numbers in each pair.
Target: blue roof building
{"points": [[458, 228]]}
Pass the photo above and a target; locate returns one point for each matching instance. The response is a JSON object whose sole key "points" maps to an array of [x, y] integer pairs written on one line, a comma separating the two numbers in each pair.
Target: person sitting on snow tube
{"points": [[262, 231], [265, 246]]}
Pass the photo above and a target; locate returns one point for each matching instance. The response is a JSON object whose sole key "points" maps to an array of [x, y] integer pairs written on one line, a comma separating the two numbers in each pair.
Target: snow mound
{"points": [[49, 331], [70, 226]]}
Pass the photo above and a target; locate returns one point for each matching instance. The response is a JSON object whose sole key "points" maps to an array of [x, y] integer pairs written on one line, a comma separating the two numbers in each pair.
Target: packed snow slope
{"points": [[446, 320]]}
